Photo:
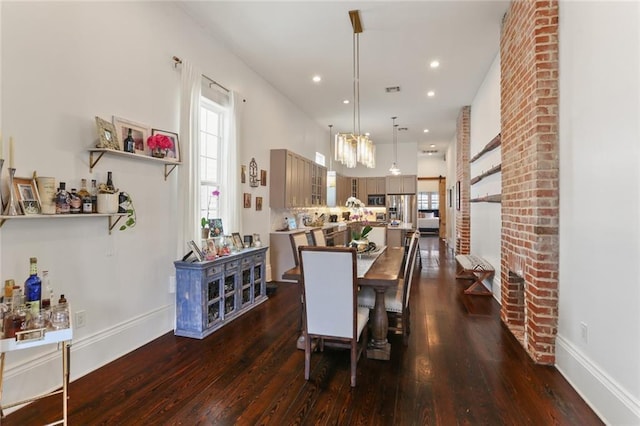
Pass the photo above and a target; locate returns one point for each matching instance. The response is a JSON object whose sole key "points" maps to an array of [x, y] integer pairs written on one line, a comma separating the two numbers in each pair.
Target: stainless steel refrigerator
{"points": [[402, 207]]}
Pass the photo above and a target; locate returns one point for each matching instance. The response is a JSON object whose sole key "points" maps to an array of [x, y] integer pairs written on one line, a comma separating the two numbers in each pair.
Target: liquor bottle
{"points": [[47, 291], [129, 143], [75, 202], [62, 300], [110, 186], [62, 200], [33, 287], [85, 197], [94, 196]]}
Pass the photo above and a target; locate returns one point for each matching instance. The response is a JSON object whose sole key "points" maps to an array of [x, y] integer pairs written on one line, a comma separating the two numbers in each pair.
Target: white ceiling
{"points": [[289, 42]]}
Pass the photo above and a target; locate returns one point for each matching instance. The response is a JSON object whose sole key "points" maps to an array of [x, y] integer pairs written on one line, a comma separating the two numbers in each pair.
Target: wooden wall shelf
{"points": [[491, 171], [113, 218], [95, 154], [495, 142], [495, 198]]}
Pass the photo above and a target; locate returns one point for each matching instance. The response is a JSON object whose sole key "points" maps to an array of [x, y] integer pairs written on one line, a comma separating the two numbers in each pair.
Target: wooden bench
{"points": [[474, 268]]}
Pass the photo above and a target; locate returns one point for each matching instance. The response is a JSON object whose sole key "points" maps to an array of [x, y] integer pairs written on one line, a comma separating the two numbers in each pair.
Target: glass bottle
{"points": [[94, 196], [75, 202], [47, 291], [33, 286], [129, 143], [110, 182], [85, 197], [62, 200]]}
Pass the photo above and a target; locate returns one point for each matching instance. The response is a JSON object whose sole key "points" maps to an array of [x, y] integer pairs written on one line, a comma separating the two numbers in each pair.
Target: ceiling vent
{"points": [[392, 89], [430, 151], [403, 128]]}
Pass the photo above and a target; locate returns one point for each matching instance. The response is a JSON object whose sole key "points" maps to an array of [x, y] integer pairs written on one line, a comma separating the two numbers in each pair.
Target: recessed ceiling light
{"points": [[434, 64], [317, 79], [346, 101], [431, 93], [367, 134], [425, 131], [433, 145]]}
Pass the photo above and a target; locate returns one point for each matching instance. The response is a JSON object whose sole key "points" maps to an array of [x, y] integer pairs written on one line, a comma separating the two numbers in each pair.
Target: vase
{"points": [[361, 245], [108, 203], [158, 153], [205, 233]]}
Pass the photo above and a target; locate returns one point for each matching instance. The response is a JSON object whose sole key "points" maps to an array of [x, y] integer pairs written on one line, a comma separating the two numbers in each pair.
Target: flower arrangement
{"points": [[359, 213], [205, 220], [159, 141]]}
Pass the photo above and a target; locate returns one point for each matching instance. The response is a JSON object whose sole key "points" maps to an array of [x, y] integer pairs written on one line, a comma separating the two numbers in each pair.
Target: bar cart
{"points": [[40, 337]]}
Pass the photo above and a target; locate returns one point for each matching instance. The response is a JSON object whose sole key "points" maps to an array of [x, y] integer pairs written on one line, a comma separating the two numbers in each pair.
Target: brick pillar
{"points": [[463, 172], [529, 121]]}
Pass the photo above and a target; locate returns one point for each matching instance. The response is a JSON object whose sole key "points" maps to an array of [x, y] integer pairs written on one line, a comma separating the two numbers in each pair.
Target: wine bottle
{"points": [[129, 143], [85, 197], [62, 200], [75, 202], [110, 186], [33, 287], [94, 196]]}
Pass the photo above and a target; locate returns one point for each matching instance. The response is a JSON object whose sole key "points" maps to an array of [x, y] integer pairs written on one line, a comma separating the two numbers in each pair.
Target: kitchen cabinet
{"points": [[376, 186], [296, 181], [212, 293], [403, 184], [343, 189]]}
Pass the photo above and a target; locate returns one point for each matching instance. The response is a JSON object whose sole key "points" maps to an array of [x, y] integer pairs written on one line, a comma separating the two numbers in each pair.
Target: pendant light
{"points": [[394, 170]]}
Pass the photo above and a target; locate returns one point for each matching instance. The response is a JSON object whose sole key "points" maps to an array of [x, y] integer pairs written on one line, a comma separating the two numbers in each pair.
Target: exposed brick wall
{"points": [[463, 173], [529, 121]]}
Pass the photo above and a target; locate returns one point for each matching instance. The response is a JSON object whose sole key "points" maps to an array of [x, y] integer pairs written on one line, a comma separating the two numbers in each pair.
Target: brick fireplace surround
{"points": [[529, 150]]}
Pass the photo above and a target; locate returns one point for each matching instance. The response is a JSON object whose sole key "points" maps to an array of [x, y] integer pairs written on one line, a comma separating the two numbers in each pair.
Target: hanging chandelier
{"points": [[394, 170], [354, 148]]}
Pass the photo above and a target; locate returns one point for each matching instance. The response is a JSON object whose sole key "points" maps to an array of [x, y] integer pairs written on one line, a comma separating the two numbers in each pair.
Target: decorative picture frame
{"points": [[107, 135], [237, 240], [458, 195], [215, 227], [253, 173], [247, 200], [248, 240], [139, 131], [450, 197], [196, 250], [243, 174], [174, 153], [26, 192], [258, 204], [263, 177]]}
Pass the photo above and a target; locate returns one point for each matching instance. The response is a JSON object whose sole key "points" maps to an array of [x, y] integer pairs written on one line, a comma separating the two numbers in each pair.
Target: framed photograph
{"points": [[247, 200], [139, 132], [258, 203], [173, 153], [450, 197], [248, 240], [458, 195], [196, 250], [263, 177], [107, 135], [26, 192], [243, 174], [215, 227], [237, 240]]}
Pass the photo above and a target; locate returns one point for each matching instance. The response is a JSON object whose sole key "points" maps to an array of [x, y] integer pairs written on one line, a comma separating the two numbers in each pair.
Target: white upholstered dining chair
{"points": [[396, 299], [318, 237], [298, 239], [329, 283]]}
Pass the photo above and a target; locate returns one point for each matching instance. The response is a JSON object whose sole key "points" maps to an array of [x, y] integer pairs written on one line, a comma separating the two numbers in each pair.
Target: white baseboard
{"points": [[36, 371], [611, 402]]}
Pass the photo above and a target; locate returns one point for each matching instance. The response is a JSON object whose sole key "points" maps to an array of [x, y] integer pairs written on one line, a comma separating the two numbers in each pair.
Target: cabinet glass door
{"points": [[229, 293], [213, 301], [257, 281], [246, 286]]}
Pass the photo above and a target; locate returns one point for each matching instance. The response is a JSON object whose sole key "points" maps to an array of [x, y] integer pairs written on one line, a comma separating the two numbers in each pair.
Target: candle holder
{"points": [[10, 209]]}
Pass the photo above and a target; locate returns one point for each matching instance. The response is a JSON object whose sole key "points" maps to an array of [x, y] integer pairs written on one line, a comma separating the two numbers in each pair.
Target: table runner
{"points": [[366, 260]]}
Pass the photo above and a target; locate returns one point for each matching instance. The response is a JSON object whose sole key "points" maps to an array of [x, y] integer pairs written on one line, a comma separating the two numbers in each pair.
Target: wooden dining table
{"points": [[381, 275]]}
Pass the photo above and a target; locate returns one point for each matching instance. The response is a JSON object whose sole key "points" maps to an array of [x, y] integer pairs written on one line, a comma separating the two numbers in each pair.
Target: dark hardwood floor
{"points": [[461, 367]]}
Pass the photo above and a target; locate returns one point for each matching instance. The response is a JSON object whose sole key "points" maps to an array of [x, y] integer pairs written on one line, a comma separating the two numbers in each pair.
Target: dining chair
{"points": [[318, 237], [298, 239], [378, 235], [396, 299], [329, 287]]}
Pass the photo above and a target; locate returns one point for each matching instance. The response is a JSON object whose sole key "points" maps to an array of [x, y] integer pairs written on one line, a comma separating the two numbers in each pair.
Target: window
{"points": [[212, 125], [320, 159], [428, 201]]}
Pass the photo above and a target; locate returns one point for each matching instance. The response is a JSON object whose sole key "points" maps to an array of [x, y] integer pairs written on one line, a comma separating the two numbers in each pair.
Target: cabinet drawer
{"points": [[231, 265], [214, 270], [258, 258], [246, 261]]}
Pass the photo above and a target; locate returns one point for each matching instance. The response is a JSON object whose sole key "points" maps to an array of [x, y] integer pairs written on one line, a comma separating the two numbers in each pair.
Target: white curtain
{"points": [[230, 202], [188, 177]]}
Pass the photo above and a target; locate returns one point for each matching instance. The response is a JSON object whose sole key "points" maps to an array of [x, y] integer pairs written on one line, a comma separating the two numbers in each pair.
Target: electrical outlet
{"points": [[172, 284], [584, 332], [81, 319]]}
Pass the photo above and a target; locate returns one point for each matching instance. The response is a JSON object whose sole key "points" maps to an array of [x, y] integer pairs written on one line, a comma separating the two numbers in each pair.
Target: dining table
{"points": [[380, 271]]}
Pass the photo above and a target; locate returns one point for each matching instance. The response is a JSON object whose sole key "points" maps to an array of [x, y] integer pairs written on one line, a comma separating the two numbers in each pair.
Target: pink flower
{"points": [[215, 193], [159, 142]]}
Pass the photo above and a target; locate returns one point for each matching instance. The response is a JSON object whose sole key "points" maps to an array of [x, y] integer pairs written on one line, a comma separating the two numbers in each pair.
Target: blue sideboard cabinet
{"points": [[212, 293]]}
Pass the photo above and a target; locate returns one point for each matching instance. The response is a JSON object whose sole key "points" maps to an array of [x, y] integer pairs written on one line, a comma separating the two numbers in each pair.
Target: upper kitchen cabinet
{"points": [[404, 184], [296, 181]]}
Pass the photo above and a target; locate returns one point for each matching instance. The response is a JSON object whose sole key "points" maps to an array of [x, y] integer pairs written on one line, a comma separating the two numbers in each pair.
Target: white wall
{"points": [[599, 198], [431, 166], [486, 220], [451, 188], [64, 63]]}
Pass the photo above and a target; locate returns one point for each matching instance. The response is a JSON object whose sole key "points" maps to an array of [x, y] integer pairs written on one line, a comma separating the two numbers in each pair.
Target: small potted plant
{"points": [[159, 145], [203, 228]]}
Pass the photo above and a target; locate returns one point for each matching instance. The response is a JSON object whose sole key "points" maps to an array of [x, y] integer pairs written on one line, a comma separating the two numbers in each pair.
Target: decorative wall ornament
{"points": [[253, 173]]}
